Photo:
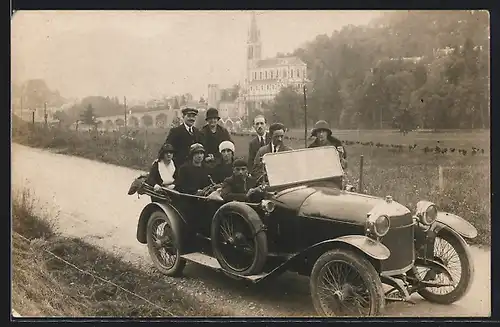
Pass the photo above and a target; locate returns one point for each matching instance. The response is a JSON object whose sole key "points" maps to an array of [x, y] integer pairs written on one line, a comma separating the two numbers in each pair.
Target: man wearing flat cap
{"points": [[240, 186], [184, 135], [213, 134], [277, 133], [323, 134]]}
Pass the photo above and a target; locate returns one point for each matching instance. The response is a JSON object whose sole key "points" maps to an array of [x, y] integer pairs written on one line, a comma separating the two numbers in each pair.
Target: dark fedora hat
{"points": [[212, 113], [186, 111], [321, 125]]}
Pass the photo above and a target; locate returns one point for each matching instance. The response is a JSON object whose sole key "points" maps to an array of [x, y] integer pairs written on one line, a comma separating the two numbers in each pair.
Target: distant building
{"points": [[214, 95], [232, 109], [264, 80], [266, 77]]}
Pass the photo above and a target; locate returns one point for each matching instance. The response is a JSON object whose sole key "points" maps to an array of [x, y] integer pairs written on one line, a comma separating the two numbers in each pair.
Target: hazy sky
{"points": [[145, 54]]}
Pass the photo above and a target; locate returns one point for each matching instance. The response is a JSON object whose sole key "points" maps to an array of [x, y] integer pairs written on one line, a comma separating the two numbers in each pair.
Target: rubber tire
{"points": [[467, 272], [365, 269], [253, 220], [180, 263]]}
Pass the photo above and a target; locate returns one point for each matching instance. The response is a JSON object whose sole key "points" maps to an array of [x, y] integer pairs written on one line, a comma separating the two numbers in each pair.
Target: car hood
{"points": [[331, 203]]}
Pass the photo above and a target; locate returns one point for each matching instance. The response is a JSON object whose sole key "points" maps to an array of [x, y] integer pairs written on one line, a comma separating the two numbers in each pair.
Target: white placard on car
{"points": [[302, 165]]}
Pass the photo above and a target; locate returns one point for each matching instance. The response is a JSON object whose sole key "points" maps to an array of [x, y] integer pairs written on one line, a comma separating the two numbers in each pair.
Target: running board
{"points": [[211, 262], [202, 259]]}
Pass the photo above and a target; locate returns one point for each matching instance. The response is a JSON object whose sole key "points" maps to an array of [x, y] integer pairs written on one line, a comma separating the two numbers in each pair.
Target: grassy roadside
{"points": [[45, 286], [409, 176]]}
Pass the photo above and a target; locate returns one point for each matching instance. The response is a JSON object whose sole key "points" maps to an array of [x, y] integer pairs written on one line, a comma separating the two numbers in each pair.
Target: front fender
{"points": [[369, 246], [169, 210], [456, 223]]}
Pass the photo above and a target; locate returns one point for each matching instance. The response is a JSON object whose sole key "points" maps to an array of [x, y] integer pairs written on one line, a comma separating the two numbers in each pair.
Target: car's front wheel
{"points": [[163, 239], [344, 283], [453, 253]]}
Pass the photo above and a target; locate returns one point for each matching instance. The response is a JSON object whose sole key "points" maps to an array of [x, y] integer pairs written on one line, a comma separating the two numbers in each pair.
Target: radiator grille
{"points": [[399, 240]]}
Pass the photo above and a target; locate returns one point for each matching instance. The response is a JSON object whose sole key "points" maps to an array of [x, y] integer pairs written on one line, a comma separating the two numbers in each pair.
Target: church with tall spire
{"points": [[263, 81], [266, 77]]}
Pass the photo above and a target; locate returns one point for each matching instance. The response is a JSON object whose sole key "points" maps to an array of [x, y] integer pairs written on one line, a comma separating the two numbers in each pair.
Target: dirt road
{"points": [[92, 202]]}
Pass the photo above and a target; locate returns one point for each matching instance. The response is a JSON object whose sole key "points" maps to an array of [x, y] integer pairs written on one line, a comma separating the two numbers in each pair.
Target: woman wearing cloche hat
{"points": [[193, 175], [162, 172], [224, 168], [212, 135], [323, 134]]}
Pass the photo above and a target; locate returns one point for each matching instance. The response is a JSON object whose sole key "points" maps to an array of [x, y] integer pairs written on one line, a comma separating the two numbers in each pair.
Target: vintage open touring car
{"points": [[349, 244]]}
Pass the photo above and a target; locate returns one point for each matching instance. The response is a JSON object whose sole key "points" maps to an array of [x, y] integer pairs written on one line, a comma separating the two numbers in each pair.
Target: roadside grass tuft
{"points": [[43, 285]]}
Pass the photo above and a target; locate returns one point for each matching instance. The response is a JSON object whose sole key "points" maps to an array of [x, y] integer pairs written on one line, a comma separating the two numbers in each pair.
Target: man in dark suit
{"points": [[184, 135], [277, 131], [262, 138]]}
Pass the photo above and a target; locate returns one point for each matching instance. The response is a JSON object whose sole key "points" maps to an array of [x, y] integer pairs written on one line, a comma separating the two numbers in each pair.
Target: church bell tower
{"points": [[254, 45]]}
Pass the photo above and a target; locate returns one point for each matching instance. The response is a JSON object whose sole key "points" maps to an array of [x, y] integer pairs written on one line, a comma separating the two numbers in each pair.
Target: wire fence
{"points": [[96, 277]]}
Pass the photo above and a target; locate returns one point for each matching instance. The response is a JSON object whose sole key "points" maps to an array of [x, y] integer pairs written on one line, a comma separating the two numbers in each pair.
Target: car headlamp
{"points": [[427, 212], [267, 205], [379, 226]]}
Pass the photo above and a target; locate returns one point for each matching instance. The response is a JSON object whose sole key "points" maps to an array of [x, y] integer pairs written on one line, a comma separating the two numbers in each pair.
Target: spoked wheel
{"points": [[163, 244], [453, 253], [344, 283], [238, 242]]}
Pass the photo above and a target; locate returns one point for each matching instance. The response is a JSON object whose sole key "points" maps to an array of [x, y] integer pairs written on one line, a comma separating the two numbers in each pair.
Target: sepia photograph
{"points": [[250, 163]]}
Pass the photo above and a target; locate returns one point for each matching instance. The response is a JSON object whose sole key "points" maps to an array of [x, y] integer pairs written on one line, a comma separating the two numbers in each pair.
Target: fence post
{"points": [[441, 179], [361, 159]]}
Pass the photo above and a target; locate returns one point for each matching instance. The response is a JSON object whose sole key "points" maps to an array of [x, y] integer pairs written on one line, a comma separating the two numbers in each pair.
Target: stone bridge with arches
{"points": [[157, 119], [154, 118]]}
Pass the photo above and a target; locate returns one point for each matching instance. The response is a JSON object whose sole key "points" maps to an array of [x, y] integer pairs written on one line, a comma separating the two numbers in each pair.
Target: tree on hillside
{"points": [[88, 116], [62, 117], [147, 120], [365, 75], [36, 93], [103, 106], [287, 107]]}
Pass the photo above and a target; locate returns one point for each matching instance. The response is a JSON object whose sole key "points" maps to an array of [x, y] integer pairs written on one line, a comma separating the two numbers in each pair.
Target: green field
{"points": [[447, 139], [409, 176]]}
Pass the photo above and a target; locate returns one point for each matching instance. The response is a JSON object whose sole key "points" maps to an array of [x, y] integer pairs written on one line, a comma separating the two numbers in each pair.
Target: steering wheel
{"points": [[262, 179]]}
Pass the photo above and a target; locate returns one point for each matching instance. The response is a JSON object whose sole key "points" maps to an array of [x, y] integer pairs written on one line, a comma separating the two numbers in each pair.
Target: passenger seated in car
{"points": [[162, 172], [193, 175], [240, 186], [224, 169]]}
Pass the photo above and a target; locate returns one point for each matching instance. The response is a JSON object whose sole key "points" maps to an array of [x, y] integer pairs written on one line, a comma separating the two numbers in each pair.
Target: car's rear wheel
{"points": [[344, 283], [239, 241], [454, 254], [163, 238]]}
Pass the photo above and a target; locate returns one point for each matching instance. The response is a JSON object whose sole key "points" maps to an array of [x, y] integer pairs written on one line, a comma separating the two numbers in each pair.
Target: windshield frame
{"points": [[336, 167]]}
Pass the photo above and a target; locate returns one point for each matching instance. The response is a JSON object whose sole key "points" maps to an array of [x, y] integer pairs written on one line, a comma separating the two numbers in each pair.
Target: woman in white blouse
{"points": [[163, 172]]}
